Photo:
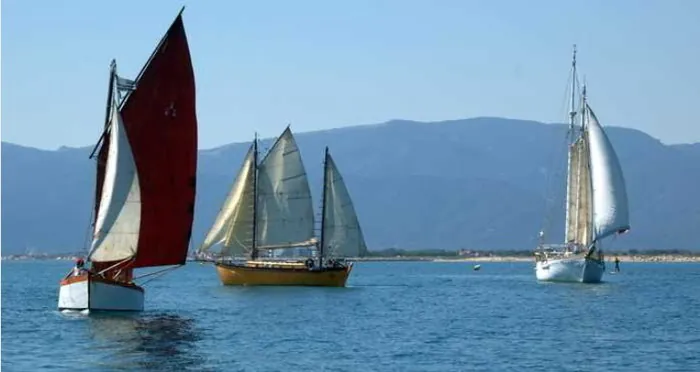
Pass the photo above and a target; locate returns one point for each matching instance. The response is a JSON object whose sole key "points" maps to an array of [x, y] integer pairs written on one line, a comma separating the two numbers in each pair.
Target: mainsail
{"points": [[578, 221], [233, 226], [285, 215], [160, 124], [341, 233]]}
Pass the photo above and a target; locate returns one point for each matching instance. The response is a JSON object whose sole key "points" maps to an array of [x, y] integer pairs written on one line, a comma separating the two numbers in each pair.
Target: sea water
{"points": [[393, 316]]}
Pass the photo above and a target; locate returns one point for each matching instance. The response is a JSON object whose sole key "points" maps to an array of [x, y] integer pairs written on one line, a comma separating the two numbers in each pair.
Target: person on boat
{"points": [[79, 268], [617, 264]]}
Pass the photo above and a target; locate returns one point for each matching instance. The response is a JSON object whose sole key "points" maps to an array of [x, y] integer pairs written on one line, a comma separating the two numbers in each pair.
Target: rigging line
{"points": [[158, 274], [551, 198], [87, 239], [549, 176], [242, 244], [115, 265], [91, 221], [564, 103]]}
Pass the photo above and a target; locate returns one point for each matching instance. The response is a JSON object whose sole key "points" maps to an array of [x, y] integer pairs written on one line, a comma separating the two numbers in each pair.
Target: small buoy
{"points": [[477, 267]]}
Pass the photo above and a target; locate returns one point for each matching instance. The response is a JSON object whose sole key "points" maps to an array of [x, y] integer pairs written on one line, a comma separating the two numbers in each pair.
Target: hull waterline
{"points": [[285, 274], [572, 270], [90, 292]]}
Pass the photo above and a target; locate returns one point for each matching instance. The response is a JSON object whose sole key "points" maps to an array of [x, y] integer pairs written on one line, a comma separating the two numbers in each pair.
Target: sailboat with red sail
{"points": [[146, 180]]}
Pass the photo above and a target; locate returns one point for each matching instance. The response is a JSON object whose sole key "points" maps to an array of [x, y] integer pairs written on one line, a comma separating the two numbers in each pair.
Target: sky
{"points": [[260, 65]]}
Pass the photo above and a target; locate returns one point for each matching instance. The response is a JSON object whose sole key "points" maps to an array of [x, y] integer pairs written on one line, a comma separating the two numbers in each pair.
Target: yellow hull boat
{"points": [[281, 273]]}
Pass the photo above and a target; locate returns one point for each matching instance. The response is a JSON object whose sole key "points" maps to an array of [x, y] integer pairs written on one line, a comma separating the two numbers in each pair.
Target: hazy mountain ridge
{"points": [[475, 183]]}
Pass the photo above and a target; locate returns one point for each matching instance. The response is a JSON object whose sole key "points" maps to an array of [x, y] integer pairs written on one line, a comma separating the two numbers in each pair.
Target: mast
{"points": [[570, 134], [98, 184], [254, 250], [584, 130], [572, 112], [323, 208], [108, 106]]}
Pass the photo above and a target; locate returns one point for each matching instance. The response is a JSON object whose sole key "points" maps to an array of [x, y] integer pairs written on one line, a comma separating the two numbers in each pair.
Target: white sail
{"points": [[116, 232], [342, 235], [578, 210], [610, 209], [234, 224], [285, 213]]}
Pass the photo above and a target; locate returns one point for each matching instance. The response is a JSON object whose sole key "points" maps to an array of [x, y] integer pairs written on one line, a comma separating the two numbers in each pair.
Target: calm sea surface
{"points": [[405, 316]]}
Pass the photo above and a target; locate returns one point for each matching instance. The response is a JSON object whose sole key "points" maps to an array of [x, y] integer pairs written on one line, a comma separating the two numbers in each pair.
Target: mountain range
{"points": [[481, 183]]}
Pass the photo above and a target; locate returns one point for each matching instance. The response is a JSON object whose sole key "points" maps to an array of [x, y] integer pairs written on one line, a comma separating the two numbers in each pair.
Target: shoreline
{"points": [[609, 258], [670, 258]]}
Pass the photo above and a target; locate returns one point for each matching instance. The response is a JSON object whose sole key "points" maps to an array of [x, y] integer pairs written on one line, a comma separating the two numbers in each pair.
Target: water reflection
{"points": [[151, 342]]}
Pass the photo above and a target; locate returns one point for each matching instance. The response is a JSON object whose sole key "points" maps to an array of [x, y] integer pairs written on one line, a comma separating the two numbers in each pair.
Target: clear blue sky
{"points": [[324, 64]]}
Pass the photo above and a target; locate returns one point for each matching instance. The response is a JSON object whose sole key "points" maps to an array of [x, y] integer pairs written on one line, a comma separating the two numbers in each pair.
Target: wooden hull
{"points": [[280, 274], [90, 292]]}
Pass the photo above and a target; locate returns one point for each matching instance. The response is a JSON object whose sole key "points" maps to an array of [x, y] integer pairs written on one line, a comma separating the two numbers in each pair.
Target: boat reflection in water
{"points": [[145, 342]]}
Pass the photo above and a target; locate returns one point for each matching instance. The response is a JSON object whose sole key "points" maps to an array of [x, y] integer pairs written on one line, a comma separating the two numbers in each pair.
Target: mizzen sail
{"points": [[341, 235]]}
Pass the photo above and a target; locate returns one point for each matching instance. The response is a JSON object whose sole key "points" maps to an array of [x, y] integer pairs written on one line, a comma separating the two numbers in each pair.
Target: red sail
{"points": [[161, 124]]}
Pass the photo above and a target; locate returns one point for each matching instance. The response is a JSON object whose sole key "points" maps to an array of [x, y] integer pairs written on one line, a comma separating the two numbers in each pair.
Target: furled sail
{"points": [[233, 226], [610, 208], [342, 235], [159, 116], [578, 221], [118, 219], [285, 215]]}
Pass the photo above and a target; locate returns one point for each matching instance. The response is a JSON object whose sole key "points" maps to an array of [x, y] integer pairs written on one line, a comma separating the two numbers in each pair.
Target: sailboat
{"points": [[269, 208], [596, 201], [145, 180]]}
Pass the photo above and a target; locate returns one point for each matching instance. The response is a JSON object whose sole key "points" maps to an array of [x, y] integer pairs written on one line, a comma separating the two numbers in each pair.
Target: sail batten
{"points": [[610, 206], [342, 235]]}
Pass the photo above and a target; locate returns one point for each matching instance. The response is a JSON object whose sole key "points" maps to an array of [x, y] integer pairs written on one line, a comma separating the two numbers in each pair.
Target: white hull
{"points": [[575, 269], [83, 293]]}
